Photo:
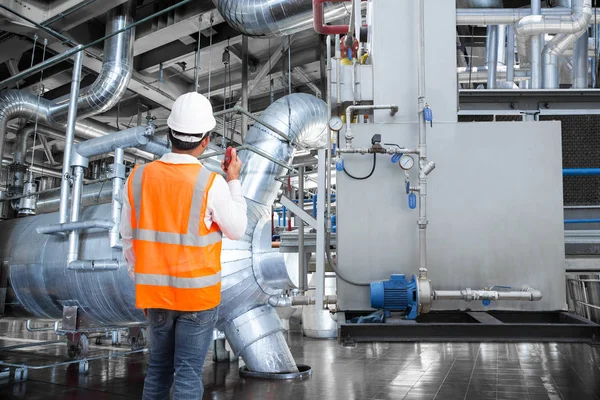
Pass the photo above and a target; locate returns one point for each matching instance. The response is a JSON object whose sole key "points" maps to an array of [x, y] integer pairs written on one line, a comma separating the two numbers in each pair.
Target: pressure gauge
{"points": [[336, 124], [406, 162]]}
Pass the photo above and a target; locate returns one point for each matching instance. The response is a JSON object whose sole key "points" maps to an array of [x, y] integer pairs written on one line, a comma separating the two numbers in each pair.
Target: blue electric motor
{"points": [[397, 294]]}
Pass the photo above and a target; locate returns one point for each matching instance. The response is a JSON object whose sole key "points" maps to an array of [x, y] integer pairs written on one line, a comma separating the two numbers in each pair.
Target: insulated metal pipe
{"points": [[510, 55], [96, 193], [73, 252], [422, 221], [509, 16], [133, 137], [580, 58], [102, 224], [526, 294], [268, 18], [535, 49], [492, 55], [117, 193], [244, 130], [69, 137], [301, 252]]}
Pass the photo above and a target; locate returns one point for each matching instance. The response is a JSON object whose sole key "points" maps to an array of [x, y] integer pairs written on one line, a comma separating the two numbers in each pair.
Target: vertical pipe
{"points": [[320, 270], [492, 55], [329, 149], [510, 53], [338, 58], [75, 211], [597, 56], [536, 50], [501, 39], [580, 58], [301, 252], [422, 221], [244, 85], [289, 65], [70, 135], [291, 197], [117, 190], [197, 71]]}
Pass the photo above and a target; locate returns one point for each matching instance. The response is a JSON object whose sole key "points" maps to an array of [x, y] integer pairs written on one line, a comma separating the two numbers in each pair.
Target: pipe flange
{"points": [[425, 291], [304, 372]]}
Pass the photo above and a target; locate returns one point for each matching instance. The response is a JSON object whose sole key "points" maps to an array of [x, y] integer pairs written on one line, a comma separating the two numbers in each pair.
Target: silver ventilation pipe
{"points": [[531, 25], [580, 56], [568, 32], [267, 18], [251, 325], [99, 97], [302, 118]]}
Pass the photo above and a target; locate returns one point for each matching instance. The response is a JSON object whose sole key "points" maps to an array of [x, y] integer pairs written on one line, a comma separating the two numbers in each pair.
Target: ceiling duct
{"points": [[267, 18], [99, 97]]}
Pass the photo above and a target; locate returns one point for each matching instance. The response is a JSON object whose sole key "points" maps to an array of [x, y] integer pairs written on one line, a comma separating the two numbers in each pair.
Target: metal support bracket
{"points": [[297, 210]]}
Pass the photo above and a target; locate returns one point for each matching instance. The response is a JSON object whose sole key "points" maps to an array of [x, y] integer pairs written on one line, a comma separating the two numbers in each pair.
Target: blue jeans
{"points": [[179, 343]]}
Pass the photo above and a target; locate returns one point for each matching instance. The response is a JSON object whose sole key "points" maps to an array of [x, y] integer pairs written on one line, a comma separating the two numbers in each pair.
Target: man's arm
{"points": [[126, 232], [228, 207], [226, 204]]}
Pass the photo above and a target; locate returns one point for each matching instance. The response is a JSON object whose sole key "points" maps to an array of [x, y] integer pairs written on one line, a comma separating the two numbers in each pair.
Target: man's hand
{"points": [[234, 167]]}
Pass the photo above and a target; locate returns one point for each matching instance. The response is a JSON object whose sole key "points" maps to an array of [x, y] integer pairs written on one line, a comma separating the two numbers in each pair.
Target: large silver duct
{"points": [[568, 32], [252, 271], [274, 17], [102, 95], [532, 25]]}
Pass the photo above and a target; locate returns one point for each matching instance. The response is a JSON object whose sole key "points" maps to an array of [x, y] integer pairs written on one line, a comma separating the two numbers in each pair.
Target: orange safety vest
{"points": [[177, 259]]}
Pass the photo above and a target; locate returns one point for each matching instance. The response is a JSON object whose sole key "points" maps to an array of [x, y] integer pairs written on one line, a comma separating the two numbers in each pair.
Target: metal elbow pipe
{"points": [[268, 18], [102, 95], [115, 73], [303, 119], [538, 24]]}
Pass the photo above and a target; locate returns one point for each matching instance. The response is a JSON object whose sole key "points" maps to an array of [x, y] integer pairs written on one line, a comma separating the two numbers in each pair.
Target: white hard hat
{"points": [[192, 114]]}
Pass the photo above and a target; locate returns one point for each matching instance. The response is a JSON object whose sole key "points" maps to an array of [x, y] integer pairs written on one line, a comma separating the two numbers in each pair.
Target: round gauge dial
{"points": [[336, 124], [406, 162]]}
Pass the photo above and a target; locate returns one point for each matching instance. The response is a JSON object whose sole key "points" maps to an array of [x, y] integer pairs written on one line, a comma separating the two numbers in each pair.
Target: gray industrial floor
{"points": [[441, 371]]}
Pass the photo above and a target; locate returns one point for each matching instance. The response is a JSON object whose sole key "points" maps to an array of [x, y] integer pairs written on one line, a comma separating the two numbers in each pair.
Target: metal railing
{"points": [[583, 291]]}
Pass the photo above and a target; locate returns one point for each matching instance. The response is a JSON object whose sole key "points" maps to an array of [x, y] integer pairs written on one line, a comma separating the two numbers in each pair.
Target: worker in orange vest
{"points": [[174, 214]]}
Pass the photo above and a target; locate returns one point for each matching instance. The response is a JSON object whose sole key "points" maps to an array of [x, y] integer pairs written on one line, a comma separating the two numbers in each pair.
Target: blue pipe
{"points": [[314, 200], [582, 221], [284, 216], [581, 172]]}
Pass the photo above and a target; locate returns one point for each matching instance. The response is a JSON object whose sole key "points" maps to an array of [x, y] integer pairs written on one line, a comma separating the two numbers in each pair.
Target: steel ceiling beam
{"points": [[177, 24]]}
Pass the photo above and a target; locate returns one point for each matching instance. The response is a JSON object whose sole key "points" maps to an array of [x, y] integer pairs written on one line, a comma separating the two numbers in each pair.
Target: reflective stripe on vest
{"points": [[180, 283]]}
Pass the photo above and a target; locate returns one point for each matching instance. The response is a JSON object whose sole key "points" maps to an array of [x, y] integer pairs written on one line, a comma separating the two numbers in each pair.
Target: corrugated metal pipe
{"points": [[267, 18], [303, 119], [99, 97]]}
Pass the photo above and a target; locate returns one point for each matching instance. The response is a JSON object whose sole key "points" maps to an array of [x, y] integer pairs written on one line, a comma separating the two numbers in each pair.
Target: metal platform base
{"points": [[493, 326]]}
